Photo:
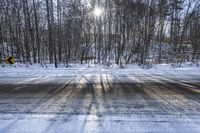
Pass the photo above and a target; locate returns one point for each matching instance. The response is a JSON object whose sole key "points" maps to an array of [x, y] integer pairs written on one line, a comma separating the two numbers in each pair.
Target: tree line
{"points": [[127, 31]]}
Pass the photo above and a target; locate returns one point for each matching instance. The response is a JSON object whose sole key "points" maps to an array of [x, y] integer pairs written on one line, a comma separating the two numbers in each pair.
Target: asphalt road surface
{"points": [[100, 103]]}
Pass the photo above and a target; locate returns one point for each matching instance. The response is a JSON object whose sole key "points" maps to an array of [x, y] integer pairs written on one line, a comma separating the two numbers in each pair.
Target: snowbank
{"points": [[75, 69]]}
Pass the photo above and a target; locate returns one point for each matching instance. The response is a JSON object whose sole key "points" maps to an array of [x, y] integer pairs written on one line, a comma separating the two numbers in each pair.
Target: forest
{"points": [[100, 31]]}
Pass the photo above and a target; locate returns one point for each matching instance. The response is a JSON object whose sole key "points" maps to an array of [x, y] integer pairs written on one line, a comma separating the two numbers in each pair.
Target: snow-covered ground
{"points": [[35, 99], [74, 70]]}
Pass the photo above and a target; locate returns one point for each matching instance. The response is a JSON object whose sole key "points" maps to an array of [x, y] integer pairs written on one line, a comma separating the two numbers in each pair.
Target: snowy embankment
{"points": [[74, 70]]}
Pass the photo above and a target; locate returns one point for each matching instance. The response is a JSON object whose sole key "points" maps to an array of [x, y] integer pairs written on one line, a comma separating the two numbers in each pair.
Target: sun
{"points": [[98, 12]]}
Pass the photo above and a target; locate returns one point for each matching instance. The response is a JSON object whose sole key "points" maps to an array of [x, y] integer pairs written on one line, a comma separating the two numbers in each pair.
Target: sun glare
{"points": [[98, 12]]}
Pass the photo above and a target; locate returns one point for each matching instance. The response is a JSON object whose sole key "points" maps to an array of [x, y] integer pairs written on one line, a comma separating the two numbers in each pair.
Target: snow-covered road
{"points": [[98, 102]]}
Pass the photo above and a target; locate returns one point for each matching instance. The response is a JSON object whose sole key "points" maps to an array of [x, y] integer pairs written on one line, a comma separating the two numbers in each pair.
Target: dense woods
{"points": [[124, 31]]}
